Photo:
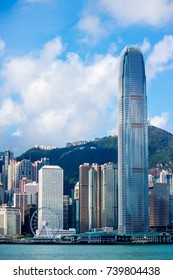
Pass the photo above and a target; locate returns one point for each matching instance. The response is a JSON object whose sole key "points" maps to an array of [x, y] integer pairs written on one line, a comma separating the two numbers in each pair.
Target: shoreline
{"points": [[50, 242]]}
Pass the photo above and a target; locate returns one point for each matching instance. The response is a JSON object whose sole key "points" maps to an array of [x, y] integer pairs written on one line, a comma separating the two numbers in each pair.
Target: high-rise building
{"points": [[77, 208], [1, 193], [159, 201], [38, 165], [25, 168], [92, 197], [132, 144], [171, 209], [12, 174], [98, 196], [66, 211], [7, 157], [31, 189], [21, 202], [109, 196], [22, 183], [83, 196], [10, 220], [50, 196]]}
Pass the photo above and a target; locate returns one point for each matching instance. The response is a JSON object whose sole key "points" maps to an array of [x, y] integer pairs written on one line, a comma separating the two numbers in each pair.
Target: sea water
{"points": [[86, 252]]}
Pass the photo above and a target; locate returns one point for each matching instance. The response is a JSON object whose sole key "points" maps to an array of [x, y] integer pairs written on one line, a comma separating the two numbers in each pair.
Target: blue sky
{"points": [[59, 67]]}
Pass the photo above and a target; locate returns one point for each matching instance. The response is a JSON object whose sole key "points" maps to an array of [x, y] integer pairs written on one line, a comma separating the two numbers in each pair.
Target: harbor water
{"points": [[86, 252]]}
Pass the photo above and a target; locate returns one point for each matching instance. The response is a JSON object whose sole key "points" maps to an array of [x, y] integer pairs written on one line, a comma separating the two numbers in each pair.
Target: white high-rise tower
{"points": [[50, 196]]}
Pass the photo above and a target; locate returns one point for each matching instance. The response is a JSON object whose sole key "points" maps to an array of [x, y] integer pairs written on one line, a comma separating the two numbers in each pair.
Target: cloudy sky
{"points": [[59, 67]]}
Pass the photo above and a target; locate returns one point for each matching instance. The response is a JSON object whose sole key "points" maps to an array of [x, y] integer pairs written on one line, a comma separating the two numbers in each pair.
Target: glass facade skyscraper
{"points": [[132, 144]]}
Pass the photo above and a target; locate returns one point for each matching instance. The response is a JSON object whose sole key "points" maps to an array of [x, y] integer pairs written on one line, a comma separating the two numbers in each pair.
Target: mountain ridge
{"points": [[160, 151]]}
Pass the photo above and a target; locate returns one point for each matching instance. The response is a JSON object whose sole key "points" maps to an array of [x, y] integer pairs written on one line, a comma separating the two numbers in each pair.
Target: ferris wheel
{"points": [[45, 222]]}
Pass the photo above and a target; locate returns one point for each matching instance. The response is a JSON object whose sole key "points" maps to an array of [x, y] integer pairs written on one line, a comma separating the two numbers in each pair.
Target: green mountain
{"points": [[102, 151]]}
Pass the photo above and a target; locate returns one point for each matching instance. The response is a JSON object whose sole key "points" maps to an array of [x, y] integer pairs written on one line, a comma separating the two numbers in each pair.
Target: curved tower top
{"points": [[132, 71]]}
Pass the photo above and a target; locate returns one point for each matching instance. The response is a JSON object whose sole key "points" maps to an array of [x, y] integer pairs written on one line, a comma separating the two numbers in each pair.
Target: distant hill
{"points": [[104, 150], [160, 146]]}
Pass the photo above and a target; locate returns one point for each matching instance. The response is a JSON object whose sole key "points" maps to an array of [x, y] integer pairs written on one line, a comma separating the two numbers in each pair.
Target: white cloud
{"points": [[10, 113], [160, 121], [92, 26], [17, 133], [157, 12], [60, 100], [52, 49], [161, 58], [145, 45], [2, 45]]}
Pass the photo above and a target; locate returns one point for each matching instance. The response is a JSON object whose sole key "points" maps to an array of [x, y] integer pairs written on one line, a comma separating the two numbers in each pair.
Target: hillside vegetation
{"points": [[104, 150]]}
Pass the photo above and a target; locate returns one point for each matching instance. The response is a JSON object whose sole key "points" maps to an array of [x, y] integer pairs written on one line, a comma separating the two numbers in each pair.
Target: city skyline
{"points": [[58, 61], [132, 144]]}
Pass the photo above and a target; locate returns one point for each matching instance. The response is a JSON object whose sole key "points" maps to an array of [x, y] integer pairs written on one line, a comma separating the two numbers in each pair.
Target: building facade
{"points": [[10, 221], [38, 165], [31, 189], [77, 208], [1, 193], [159, 205], [20, 201], [132, 144], [24, 169], [109, 196], [7, 157], [98, 196], [50, 196], [83, 196]]}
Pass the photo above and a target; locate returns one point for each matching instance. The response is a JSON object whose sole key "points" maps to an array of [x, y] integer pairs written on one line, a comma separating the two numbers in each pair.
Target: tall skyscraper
{"points": [[132, 144], [83, 196], [109, 201], [50, 196], [7, 157], [98, 196]]}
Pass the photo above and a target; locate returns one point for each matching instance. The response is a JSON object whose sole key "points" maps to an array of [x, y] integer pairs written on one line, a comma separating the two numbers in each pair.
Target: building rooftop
{"points": [[51, 167]]}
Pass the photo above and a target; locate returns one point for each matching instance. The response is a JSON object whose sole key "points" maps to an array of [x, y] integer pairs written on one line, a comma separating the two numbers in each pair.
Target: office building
{"points": [[31, 189], [1, 193], [171, 209], [66, 211], [10, 221], [98, 196], [22, 183], [83, 196], [92, 197], [163, 176], [76, 208], [159, 206], [24, 169], [169, 180], [132, 144], [38, 165], [109, 196], [7, 157], [20, 200], [12, 174], [50, 196]]}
